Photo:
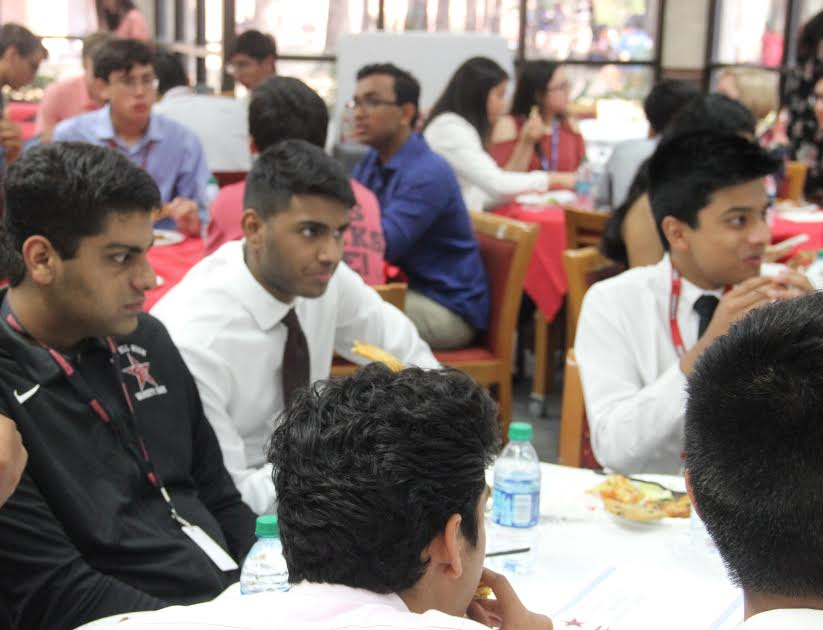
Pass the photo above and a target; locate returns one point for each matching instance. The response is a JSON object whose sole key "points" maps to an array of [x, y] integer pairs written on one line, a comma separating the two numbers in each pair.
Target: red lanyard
{"points": [[674, 302], [84, 391], [146, 151]]}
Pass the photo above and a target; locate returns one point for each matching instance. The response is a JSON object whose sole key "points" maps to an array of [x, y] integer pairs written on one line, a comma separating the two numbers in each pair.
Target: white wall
{"points": [[685, 29]]}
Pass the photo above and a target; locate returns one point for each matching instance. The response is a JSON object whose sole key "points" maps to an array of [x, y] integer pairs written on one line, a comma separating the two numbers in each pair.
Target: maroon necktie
{"points": [[295, 357]]}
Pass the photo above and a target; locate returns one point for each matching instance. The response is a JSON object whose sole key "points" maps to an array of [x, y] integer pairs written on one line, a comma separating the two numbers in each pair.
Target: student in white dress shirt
{"points": [[459, 128], [754, 426], [382, 526], [231, 315], [709, 201]]}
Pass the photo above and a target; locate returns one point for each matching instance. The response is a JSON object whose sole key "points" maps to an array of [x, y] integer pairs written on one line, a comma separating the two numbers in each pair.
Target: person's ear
{"points": [[41, 260], [444, 549], [690, 492], [253, 146], [408, 110], [676, 232], [252, 225]]}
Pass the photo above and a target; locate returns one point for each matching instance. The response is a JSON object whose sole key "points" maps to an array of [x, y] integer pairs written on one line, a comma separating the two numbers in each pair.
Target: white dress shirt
{"points": [[229, 331], [221, 124], [634, 389], [306, 606], [785, 619], [483, 183]]}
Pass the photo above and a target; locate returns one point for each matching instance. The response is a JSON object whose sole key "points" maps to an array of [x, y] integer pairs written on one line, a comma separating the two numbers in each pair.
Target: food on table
{"points": [[640, 501], [373, 353], [161, 213]]}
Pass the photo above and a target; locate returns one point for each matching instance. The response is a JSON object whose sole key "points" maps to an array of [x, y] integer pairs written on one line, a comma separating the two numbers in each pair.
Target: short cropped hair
{"points": [[368, 469], [532, 81], [714, 112], [169, 70], [121, 54], [294, 167], [255, 44], [22, 39], [665, 99], [93, 41], [285, 107], [64, 191], [685, 171], [754, 426], [406, 86], [467, 93]]}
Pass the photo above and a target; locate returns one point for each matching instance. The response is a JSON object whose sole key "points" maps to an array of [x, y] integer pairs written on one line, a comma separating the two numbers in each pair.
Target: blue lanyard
{"points": [[544, 163]]}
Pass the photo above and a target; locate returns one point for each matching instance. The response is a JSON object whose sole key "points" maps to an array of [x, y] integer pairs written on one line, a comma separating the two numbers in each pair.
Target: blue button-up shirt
{"points": [[168, 151], [427, 229]]}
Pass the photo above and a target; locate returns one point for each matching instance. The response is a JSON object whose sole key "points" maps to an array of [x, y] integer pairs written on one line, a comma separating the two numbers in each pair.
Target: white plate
{"points": [[547, 198], [167, 237], [792, 206], [803, 216]]}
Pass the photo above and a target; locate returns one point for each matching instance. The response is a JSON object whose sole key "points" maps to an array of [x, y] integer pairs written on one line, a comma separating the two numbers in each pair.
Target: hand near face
{"points": [[11, 139], [13, 457], [735, 304], [534, 128], [790, 284], [506, 610], [185, 214]]}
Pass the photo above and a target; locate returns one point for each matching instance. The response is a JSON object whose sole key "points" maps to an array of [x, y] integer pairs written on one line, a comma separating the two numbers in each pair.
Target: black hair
{"points": [[754, 426], [121, 54], [64, 191], [685, 171], [169, 70], [665, 99], [285, 107], [93, 41], [22, 39], [255, 44], [532, 82], [112, 19], [294, 167], [368, 469], [467, 93], [808, 40], [406, 86]]}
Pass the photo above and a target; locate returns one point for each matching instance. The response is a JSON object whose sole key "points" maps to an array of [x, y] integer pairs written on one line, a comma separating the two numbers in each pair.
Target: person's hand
{"points": [[789, 284], [533, 129], [506, 611], [13, 457], [185, 214], [558, 179], [11, 139]]}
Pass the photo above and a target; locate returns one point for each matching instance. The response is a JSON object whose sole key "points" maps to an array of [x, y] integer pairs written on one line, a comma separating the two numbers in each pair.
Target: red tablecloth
{"points": [[783, 229], [546, 280], [171, 262]]}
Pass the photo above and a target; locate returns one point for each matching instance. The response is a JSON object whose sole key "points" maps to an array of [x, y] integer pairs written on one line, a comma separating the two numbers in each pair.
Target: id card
{"points": [[214, 551]]}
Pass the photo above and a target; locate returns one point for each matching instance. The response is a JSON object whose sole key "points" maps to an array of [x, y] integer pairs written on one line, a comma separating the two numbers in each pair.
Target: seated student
{"points": [[283, 108], [537, 134], [219, 122], [165, 149], [640, 333], [427, 229], [381, 527], [76, 95], [259, 318], [754, 426], [664, 100], [121, 456], [459, 128], [252, 58]]}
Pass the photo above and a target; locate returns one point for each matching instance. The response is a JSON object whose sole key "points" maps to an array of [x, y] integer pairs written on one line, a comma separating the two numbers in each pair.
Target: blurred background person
{"points": [[123, 19], [252, 58]]}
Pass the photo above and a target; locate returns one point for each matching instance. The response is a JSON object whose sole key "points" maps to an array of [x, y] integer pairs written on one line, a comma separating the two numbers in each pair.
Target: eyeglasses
{"points": [[368, 104], [132, 83], [565, 86]]}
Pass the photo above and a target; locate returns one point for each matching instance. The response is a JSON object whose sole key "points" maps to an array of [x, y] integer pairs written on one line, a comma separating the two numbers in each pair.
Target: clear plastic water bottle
{"points": [[584, 183], [516, 502], [265, 567]]}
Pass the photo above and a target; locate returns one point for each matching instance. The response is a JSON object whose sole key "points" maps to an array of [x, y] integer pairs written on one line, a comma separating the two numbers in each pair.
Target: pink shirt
{"points": [[305, 607], [64, 99], [133, 26], [363, 244]]}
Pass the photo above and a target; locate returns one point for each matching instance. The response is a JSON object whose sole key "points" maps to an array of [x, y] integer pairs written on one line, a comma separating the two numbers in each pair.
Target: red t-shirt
{"points": [[571, 148], [363, 244]]}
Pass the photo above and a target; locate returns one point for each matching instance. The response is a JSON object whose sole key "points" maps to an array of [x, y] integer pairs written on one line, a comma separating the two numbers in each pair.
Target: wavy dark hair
{"points": [[532, 81], [467, 93], [368, 470]]}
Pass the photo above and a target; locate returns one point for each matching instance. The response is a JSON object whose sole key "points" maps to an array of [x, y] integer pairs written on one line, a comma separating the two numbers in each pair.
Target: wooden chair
{"points": [[583, 228], [583, 267], [224, 178], [506, 247], [395, 294]]}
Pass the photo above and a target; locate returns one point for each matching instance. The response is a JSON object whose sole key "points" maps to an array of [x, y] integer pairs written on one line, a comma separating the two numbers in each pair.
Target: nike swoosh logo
{"points": [[21, 398]]}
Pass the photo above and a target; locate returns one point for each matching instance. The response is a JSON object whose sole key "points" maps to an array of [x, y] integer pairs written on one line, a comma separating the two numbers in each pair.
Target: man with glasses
{"points": [[252, 58], [168, 151], [426, 227]]}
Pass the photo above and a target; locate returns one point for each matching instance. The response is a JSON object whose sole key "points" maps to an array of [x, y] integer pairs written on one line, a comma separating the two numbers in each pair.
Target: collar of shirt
{"points": [[796, 618], [690, 292], [349, 596], [266, 309], [180, 90], [104, 130]]}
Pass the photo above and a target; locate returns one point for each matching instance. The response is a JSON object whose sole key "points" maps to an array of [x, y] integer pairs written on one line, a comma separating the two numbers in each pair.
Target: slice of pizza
{"points": [[373, 353]]}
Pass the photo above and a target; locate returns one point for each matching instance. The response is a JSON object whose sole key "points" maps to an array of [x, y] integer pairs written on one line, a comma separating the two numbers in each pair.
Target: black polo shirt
{"points": [[86, 534]]}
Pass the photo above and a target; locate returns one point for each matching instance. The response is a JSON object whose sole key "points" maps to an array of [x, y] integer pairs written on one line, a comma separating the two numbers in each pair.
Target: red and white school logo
{"points": [[140, 371]]}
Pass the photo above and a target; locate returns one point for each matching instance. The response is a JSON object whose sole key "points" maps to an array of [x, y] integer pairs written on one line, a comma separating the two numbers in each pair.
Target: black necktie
{"points": [[295, 357], [705, 307]]}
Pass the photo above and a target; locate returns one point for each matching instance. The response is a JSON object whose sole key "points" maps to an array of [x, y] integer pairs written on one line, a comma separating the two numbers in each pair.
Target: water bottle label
{"points": [[516, 509]]}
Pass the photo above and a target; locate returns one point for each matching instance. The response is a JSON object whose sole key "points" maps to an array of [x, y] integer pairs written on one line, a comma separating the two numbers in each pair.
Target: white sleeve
{"points": [[631, 422], [215, 385], [364, 316], [458, 142]]}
